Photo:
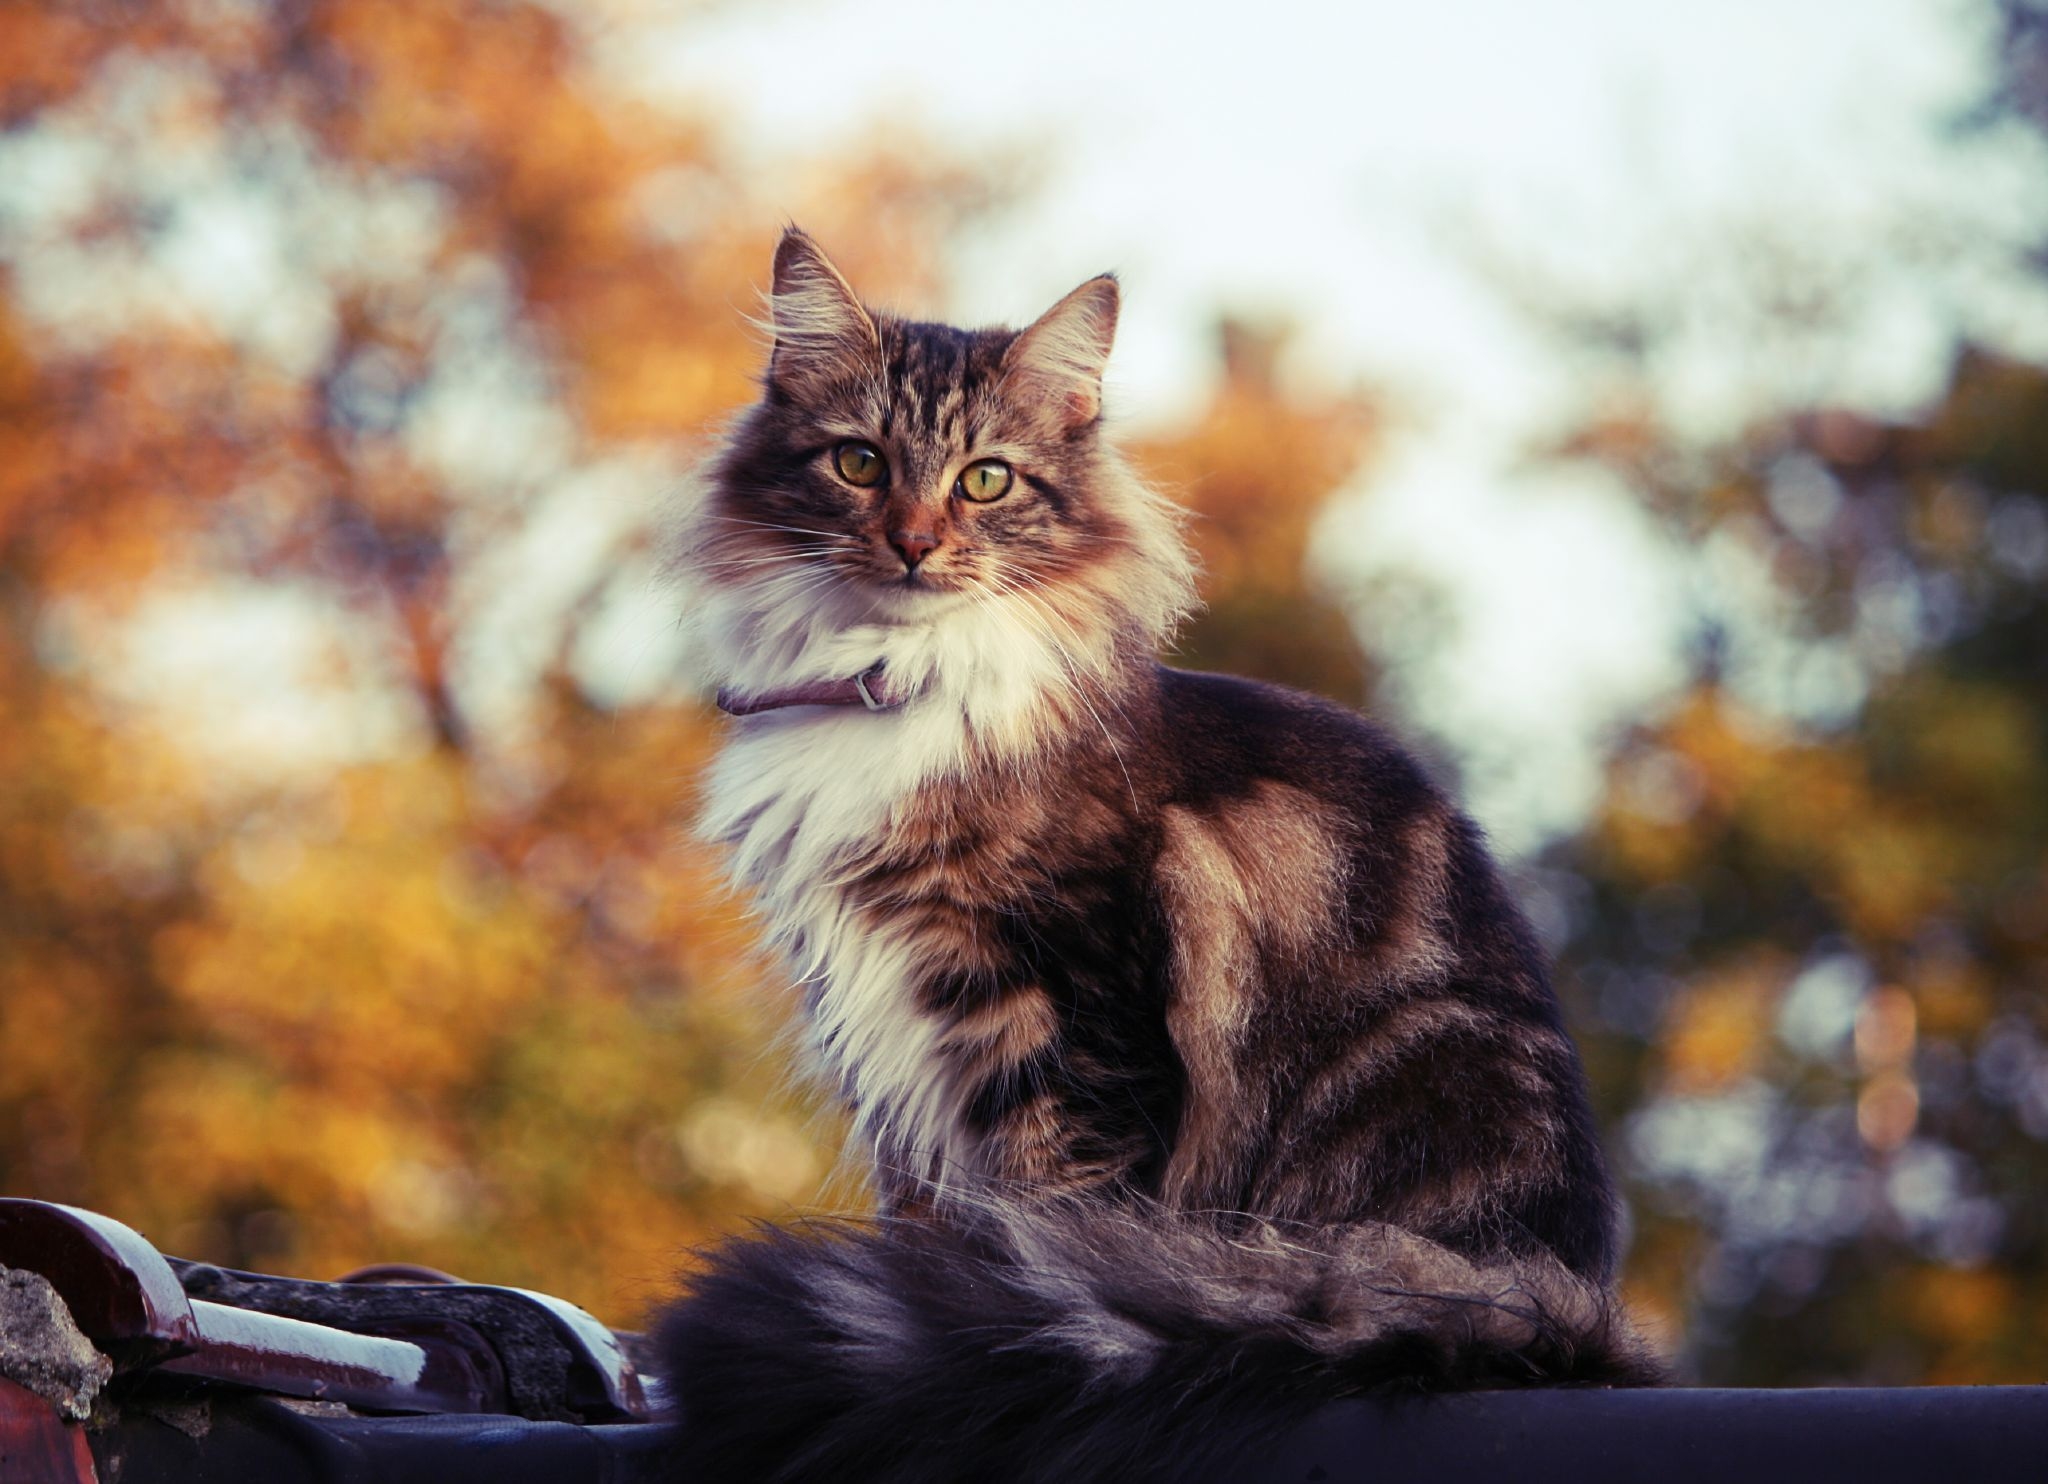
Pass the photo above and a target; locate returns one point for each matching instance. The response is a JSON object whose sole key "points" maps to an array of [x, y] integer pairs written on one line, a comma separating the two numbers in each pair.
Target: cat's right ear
{"points": [[822, 334]]}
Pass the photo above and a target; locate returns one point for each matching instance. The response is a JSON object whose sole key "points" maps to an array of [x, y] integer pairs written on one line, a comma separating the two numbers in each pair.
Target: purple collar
{"points": [[869, 688]]}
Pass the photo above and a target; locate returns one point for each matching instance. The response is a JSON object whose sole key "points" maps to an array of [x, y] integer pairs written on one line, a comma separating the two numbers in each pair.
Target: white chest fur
{"points": [[800, 796]]}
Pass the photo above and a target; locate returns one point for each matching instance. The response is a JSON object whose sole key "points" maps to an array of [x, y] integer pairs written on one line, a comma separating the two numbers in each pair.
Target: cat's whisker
{"points": [[779, 554], [763, 525], [800, 584], [1075, 684], [1023, 587], [808, 559], [991, 601], [1013, 586]]}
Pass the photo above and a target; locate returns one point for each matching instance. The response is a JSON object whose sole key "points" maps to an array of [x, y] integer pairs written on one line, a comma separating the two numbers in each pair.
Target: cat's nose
{"points": [[913, 546]]}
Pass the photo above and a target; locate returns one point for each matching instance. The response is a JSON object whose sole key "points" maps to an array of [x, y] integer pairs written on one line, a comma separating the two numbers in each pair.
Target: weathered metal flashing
{"points": [[421, 1347]]}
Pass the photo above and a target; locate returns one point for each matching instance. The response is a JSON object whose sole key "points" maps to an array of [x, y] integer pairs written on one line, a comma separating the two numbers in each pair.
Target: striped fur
{"points": [[1153, 995], [1090, 1341]]}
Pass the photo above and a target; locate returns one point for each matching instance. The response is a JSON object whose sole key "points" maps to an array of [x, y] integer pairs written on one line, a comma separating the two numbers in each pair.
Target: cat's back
{"points": [[1319, 800], [1378, 916], [1225, 734]]}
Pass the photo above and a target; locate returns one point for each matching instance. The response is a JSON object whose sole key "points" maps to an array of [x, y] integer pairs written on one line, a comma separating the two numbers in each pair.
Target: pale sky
{"points": [[1319, 159], [1372, 172], [1349, 167]]}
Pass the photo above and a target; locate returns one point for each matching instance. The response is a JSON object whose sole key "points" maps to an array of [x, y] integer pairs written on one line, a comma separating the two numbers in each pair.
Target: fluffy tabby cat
{"points": [[1207, 1069]]}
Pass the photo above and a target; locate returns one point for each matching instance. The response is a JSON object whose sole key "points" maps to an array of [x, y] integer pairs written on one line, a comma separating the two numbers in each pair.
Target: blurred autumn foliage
{"points": [[425, 965], [1811, 912], [1255, 470], [347, 905], [347, 909]]}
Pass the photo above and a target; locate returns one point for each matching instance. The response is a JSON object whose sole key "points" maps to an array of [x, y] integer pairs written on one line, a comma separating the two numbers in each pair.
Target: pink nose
{"points": [[913, 546]]}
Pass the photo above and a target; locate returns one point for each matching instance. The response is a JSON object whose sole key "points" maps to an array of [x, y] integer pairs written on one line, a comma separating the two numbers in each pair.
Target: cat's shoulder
{"points": [[1226, 728]]}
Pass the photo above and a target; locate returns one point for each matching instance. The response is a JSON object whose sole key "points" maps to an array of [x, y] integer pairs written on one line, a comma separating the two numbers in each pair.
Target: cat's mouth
{"points": [[918, 590], [919, 580]]}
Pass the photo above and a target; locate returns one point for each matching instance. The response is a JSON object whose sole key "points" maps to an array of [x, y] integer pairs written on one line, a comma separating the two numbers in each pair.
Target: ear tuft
{"points": [[1059, 360], [822, 334]]}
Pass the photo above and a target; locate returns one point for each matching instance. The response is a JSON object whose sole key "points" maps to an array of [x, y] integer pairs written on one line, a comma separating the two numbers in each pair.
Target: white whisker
{"points": [[763, 525], [1072, 668]]}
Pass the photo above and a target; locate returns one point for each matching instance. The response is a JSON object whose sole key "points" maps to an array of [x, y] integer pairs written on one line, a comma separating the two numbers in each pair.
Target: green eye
{"points": [[860, 463], [986, 480]]}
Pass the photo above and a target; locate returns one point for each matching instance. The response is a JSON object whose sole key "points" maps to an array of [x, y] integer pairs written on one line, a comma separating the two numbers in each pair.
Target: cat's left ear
{"points": [[1058, 361]]}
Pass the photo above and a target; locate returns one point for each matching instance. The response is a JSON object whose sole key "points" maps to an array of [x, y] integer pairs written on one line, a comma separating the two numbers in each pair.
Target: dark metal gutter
{"points": [[1902, 1435]]}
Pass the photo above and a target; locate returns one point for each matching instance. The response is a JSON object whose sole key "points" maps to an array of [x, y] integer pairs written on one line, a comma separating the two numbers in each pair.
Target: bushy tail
{"points": [[1079, 1342]]}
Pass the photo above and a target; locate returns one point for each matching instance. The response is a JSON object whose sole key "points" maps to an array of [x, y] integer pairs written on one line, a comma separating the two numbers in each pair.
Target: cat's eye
{"points": [[985, 480], [860, 463]]}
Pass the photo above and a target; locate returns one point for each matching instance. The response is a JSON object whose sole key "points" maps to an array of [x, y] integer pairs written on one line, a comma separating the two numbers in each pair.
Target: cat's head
{"points": [[909, 475]]}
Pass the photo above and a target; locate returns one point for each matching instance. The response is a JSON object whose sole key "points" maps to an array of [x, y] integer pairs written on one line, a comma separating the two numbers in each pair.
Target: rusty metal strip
{"points": [[126, 1298], [36, 1445], [559, 1363], [293, 1357], [121, 1292]]}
